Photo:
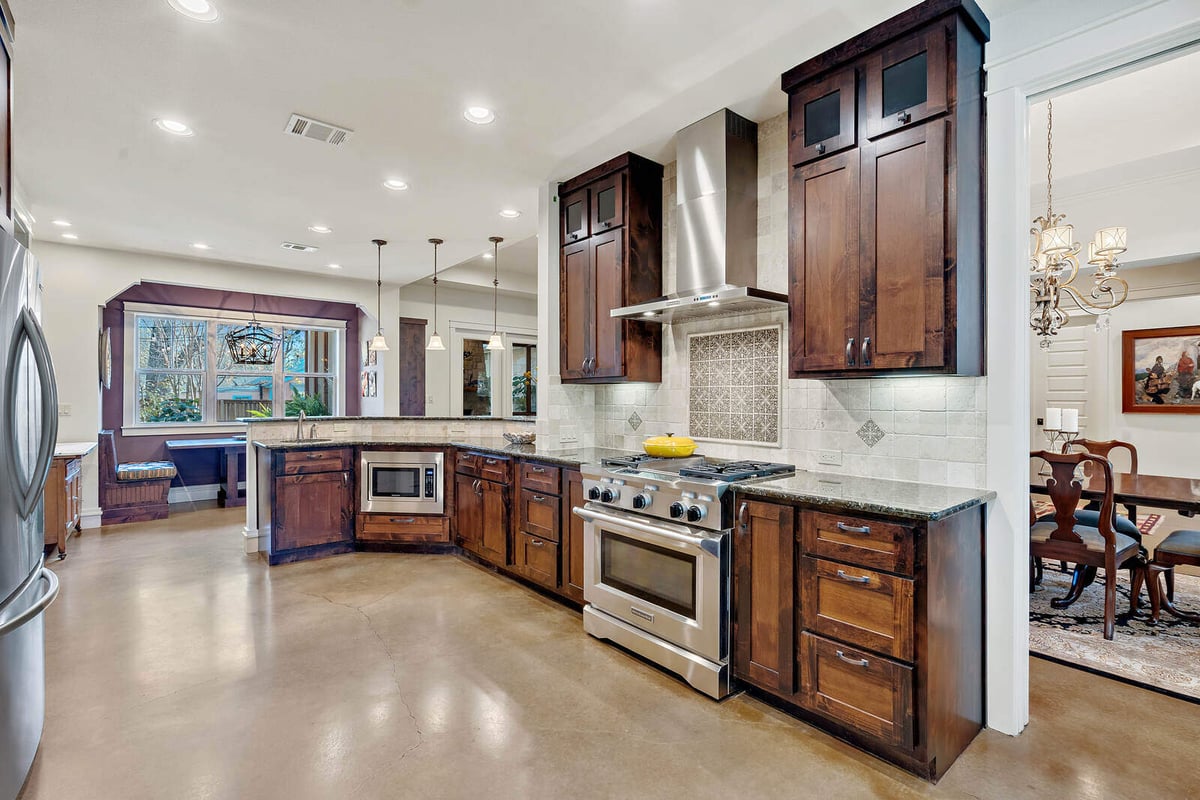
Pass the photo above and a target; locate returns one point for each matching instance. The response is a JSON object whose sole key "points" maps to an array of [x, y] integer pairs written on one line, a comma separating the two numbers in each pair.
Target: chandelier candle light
{"points": [[495, 342], [435, 341], [378, 342], [1055, 264]]}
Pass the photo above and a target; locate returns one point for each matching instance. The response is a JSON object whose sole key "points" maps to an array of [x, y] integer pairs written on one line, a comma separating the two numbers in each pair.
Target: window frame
{"points": [[214, 318]]}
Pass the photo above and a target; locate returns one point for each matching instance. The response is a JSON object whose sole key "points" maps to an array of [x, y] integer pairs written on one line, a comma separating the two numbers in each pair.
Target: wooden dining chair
{"points": [[1104, 449], [1089, 548]]}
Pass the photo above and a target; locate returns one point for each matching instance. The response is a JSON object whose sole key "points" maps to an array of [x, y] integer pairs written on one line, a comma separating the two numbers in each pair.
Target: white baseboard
{"points": [[90, 518], [252, 541]]}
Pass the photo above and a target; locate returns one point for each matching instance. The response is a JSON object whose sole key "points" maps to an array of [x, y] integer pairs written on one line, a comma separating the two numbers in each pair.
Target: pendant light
{"points": [[495, 342], [435, 341], [252, 344], [378, 342]]}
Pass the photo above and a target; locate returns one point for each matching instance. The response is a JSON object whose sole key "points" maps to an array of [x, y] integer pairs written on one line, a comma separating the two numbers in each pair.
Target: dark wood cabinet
{"points": [[611, 219], [868, 626], [886, 199], [468, 512], [764, 589], [482, 505], [310, 502], [572, 536]]}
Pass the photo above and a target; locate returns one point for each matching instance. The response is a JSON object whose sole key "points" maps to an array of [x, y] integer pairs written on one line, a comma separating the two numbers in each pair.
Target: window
{"points": [[182, 372], [494, 383], [524, 379]]}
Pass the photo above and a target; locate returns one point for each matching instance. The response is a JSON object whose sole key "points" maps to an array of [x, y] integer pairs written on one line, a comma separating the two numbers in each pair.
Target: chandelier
{"points": [[1055, 264], [252, 344]]}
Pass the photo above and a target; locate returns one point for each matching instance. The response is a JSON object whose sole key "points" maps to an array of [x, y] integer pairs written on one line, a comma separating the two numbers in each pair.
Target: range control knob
{"points": [[594, 493], [641, 500], [695, 513], [608, 496], [677, 510]]}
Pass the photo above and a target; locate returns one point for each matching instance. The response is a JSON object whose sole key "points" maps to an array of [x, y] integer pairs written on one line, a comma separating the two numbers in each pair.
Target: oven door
{"points": [[667, 579]]}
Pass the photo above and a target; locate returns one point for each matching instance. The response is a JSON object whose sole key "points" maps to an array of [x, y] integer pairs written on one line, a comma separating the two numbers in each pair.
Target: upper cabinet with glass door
{"points": [[906, 82]]}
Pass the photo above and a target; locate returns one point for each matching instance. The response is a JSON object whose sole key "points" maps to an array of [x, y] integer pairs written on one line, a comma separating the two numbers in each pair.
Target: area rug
{"points": [[1147, 523], [1165, 657]]}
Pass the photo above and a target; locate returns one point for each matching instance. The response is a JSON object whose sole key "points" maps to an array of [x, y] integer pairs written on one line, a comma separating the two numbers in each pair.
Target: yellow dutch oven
{"points": [[669, 446]]}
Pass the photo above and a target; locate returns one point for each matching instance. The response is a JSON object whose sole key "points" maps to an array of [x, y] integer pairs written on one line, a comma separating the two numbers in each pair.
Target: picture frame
{"points": [[366, 385], [104, 358], [372, 385], [1159, 370], [372, 356]]}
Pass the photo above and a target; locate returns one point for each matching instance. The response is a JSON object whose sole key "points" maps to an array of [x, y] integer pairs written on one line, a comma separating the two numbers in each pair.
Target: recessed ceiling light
{"points": [[69, 236], [510, 213], [174, 127], [199, 10], [201, 246], [479, 115], [395, 185], [334, 266], [62, 223], [320, 229]]}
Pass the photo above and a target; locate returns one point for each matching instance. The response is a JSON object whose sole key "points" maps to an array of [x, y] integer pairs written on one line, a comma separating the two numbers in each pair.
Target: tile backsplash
{"points": [[930, 430], [734, 385]]}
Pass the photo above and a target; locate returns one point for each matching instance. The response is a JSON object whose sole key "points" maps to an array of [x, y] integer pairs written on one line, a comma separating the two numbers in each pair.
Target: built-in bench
{"points": [[135, 491]]}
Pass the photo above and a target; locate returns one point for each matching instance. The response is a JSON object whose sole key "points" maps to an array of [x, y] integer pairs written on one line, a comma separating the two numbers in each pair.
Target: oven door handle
{"points": [[705, 543]]}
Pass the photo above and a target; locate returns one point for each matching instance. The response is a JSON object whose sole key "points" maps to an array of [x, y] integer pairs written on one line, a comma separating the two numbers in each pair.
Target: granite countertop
{"points": [[870, 495], [573, 457]]}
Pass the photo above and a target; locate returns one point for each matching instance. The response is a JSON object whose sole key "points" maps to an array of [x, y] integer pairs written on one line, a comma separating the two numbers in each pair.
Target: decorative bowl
{"points": [[669, 446], [520, 438]]}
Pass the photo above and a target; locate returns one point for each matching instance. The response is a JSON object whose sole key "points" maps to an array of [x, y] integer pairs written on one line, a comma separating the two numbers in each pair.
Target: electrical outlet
{"points": [[832, 458], [568, 436], [64, 409], [429, 400], [340, 429]]}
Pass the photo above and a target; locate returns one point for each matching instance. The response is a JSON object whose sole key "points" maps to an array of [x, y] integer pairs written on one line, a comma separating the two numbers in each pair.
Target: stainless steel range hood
{"points": [[716, 240]]}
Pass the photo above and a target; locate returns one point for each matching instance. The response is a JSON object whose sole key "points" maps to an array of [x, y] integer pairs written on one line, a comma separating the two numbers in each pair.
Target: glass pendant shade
{"points": [[1111, 241], [435, 342], [1058, 239], [495, 342], [378, 342]]}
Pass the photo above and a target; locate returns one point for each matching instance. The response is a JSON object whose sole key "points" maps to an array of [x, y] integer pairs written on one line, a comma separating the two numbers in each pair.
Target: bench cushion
{"points": [[145, 470], [1181, 543], [1092, 539]]}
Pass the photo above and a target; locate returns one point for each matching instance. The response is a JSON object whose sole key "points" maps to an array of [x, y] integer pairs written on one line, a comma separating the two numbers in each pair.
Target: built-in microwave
{"points": [[404, 482]]}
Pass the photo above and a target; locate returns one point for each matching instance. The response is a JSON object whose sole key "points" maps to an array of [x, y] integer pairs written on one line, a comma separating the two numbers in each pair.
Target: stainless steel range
{"points": [[657, 559]]}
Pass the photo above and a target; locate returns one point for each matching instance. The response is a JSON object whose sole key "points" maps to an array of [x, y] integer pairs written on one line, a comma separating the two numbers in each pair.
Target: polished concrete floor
{"points": [[181, 668]]}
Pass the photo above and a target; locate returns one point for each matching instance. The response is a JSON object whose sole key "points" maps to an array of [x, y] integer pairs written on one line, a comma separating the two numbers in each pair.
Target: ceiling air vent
{"points": [[310, 128], [299, 248]]}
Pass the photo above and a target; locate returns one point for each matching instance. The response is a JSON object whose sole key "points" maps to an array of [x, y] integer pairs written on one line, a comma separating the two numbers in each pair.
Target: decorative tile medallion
{"points": [[871, 433], [734, 385], [634, 421]]}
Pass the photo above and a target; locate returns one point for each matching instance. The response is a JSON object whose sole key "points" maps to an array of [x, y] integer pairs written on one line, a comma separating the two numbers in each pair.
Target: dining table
{"points": [[232, 448], [1129, 489]]}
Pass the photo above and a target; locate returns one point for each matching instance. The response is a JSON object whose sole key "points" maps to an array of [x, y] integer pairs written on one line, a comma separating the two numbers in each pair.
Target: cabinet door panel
{"points": [[763, 596], [311, 510], [493, 543], [468, 512], [577, 304], [608, 265], [903, 249], [907, 82], [823, 117], [540, 514], [572, 537], [576, 216], [823, 256], [608, 202]]}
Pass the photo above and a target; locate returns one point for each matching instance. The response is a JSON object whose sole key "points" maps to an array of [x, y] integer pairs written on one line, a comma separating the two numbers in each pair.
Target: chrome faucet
{"points": [[300, 426]]}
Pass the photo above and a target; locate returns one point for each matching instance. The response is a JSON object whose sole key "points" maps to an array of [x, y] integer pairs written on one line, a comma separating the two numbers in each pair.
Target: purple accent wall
{"points": [[201, 467]]}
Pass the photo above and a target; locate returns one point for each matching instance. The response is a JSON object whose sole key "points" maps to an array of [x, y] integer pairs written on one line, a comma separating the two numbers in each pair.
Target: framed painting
{"points": [[1158, 371]]}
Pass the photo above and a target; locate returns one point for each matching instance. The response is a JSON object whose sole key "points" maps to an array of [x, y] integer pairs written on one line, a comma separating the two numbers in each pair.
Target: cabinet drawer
{"points": [[495, 468], [540, 477], [536, 559], [73, 468], [860, 606], [303, 462], [385, 528], [869, 542], [870, 694], [467, 463], [540, 514]]}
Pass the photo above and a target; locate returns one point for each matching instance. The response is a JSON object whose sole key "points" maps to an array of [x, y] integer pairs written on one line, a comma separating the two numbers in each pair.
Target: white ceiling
{"points": [[572, 85]]}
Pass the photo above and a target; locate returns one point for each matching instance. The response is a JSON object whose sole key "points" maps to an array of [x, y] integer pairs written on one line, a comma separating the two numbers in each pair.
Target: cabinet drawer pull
{"points": [[313, 456], [850, 352], [538, 470], [742, 510], [537, 498], [403, 520], [842, 576], [491, 461], [904, 118], [844, 528], [345, 479], [858, 662], [536, 542], [866, 352]]}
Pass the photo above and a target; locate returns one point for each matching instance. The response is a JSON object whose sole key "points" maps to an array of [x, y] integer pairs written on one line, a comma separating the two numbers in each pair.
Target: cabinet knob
{"points": [[850, 352], [904, 118], [821, 149]]}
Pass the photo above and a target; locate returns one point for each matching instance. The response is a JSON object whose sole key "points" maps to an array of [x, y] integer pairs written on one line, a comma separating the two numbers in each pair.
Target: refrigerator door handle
{"points": [[39, 605], [28, 330]]}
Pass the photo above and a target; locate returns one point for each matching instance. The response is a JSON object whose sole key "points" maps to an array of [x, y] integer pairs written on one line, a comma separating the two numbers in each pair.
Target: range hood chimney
{"points": [[716, 238]]}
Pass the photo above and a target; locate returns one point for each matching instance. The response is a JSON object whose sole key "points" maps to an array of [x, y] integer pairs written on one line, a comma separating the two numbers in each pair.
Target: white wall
{"points": [[79, 280]]}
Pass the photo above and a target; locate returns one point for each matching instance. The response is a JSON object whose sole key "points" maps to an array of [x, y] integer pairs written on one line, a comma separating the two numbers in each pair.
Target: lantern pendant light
{"points": [[495, 342], [253, 343], [378, 342], [435, 341]]}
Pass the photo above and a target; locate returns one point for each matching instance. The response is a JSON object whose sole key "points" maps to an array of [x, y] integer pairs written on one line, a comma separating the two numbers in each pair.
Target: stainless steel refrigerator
{"points": [[28, 429]]}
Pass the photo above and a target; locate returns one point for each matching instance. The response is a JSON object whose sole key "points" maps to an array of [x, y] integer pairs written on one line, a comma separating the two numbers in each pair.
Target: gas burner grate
{"points": [[737, 470]]}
